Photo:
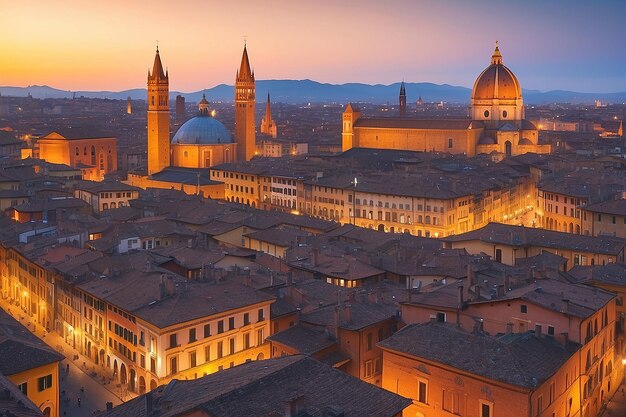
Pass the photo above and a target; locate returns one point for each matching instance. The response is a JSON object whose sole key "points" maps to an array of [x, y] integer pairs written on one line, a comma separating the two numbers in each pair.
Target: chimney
{"points": [[509, 328], [500, 290], [190, 243], [564, 306], [149, 403], [298, 314], [348, 313], [538, 330], [507, 283], [460, 296], [294, 406], [315, 256], [470, 274], [337, 321]]}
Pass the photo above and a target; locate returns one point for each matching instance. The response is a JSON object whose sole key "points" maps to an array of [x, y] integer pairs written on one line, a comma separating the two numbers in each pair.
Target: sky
{"points": [[109, 45]]}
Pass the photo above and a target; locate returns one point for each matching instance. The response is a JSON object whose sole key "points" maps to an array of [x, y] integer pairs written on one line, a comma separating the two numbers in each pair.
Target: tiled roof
{"points": [[613, 274], [519, 359], [304, 339], [262, 388], [20, 350], [528, 236], [615, 207]]}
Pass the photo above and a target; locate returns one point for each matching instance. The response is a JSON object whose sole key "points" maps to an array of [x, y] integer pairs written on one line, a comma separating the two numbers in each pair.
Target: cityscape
{"points": [[313, 210]]}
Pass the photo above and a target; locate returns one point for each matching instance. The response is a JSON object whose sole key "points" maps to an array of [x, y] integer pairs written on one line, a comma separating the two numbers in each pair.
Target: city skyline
{"points": [[550, 46]]}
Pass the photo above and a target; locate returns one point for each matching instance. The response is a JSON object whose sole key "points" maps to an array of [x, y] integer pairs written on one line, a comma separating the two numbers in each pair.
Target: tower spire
{"points": [[157, 68], [496, 58], [244, 73], [402, 100]]}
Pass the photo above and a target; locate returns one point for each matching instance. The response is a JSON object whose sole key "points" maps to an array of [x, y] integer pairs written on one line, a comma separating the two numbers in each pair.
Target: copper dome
{"points": [[496, 82]]}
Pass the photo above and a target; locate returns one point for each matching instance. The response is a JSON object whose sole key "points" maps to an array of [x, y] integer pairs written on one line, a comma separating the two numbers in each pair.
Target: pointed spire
{"points": [[268, 110], [496, 58], [157, 69], [402, 89], [244, 72]]}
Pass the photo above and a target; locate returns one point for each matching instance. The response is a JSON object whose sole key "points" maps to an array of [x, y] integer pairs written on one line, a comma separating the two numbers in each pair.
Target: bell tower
{"points": [[244, 110], [158, 117], [402, 101]]}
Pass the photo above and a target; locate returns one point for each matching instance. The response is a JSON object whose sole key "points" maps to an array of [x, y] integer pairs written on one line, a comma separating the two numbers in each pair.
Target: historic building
{"points": [[268, 125], [158, 117], [244, 110], [496, 123], [202, 141], [94, 156]]}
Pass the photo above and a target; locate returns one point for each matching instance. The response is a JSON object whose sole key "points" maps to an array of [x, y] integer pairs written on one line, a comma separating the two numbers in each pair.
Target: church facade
{"points": [[496, 124]]}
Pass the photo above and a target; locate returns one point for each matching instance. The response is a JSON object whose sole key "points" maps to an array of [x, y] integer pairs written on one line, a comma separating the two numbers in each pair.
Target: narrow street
{"points": [[98, 389]]}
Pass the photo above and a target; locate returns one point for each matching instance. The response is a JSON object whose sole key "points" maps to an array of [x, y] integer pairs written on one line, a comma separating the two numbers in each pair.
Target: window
{"points": [[369, 369], [504, 114], [192, 359], [246, 340], [486, 113], [152, 365], [441, 317], [485, 409], [369, 341], [550, 330], [261, 315], [23, 387], [422, 392], [246, 319], [207, 330], [142, 361], [173, 341], [524, 308], [231, 323], [449, 143], [207, 353], [192, 335], [44, 382], [260, 337], [173, 365], [231, 345], [220, 326]]}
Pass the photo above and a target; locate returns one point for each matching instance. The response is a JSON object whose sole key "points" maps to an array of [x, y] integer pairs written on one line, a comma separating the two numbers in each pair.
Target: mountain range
{"points": [[308, 91]]}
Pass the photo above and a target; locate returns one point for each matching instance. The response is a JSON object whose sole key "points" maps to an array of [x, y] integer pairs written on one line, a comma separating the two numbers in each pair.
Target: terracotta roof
{"points": [[519, 359], [527, 236], [262, 388], [304, 339], [20, 350]]}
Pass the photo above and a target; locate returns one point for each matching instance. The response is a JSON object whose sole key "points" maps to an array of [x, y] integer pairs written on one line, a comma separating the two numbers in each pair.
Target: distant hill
{"points": [[305, 91]]}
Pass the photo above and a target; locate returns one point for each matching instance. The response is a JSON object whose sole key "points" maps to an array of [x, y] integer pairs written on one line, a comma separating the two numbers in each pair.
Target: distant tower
{"points": [[244, 110], [180, 109], [349, 117], [129, 107], [402, 100], [268, 126], [158, 118]]}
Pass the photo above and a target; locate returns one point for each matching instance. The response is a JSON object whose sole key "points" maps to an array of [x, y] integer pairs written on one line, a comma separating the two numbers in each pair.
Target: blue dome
{"points": [[202, 130]]}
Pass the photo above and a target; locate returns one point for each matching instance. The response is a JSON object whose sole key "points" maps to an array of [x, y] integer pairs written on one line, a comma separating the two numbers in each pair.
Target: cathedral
{"points": [[201, 142], [496, 123]]}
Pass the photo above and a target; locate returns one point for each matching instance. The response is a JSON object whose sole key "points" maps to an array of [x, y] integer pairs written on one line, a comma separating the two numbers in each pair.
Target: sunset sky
{"points": [[109, 45]]}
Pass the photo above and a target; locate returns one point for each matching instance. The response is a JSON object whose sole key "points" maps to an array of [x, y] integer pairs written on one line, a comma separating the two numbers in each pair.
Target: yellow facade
{"points": [[239, 187], [42, 387], [202, 156]]}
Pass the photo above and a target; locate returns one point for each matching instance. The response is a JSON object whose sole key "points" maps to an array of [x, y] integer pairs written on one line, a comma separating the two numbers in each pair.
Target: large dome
{"points": [[497, 82], [202, 130]]}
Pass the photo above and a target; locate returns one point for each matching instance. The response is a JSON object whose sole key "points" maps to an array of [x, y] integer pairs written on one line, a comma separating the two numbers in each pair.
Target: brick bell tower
{"points": [[244, 110], [158, 117]]}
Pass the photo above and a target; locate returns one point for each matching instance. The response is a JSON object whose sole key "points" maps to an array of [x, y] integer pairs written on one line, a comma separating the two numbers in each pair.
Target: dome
{"points": [[496, 82], [202, 130]]}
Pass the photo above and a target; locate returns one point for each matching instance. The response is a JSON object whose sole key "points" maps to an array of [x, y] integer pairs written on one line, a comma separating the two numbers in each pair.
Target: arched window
{"points": [[427, 219]]}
